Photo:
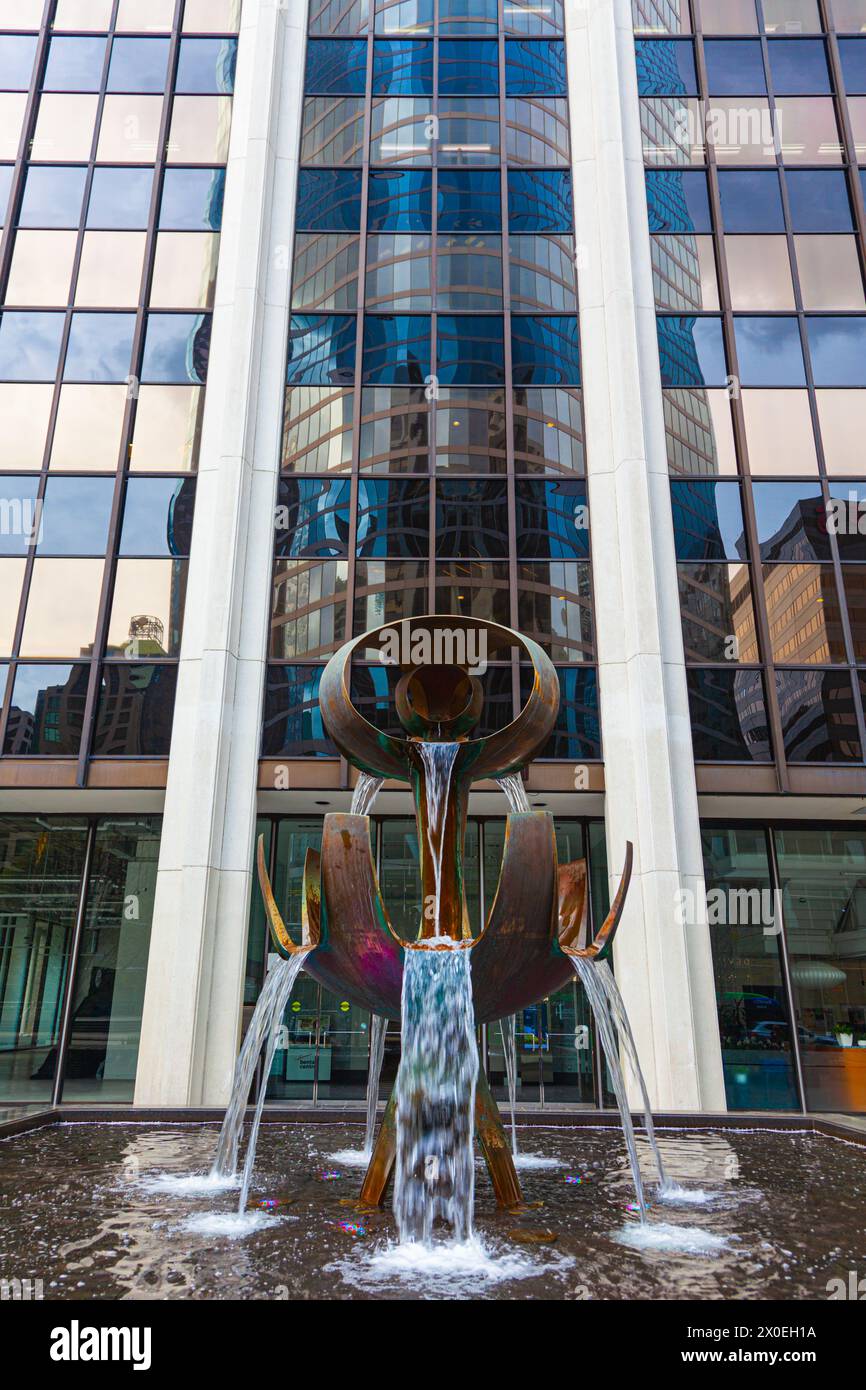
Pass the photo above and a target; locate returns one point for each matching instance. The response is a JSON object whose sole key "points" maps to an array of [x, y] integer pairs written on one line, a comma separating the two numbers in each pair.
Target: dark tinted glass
{"points": [[53, 196], [751, 200], [400, 200], [678, 200], [402, 68], [74, 64], [176, 348], [735, 67], [540, 201], [293, 726], [853, 54], [818, 200], [120, 198], [329, 200], [470, 350], [336, 67], [552, 520], [46, 714], [729, 716], [708, 521], [838, 349], [545, 351], [666, 67], [135, 709], [138, 65], [472, 519], [75, 516], [100, 347], [17, 52], [192, 200], [396, 349], [819, 722], [157, 516], [469, 201], [791, 521], [798, 67], [468, 67], [393, 519], [535, 67], [692, 351], [577, 733], [207, 66], [312, 519]]}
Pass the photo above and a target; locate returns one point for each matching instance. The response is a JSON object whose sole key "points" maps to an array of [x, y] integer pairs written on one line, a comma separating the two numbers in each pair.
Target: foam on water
{"points": [[233, 1225], [350, 1158], [188, 1184], [659, 1235], [677, 1196], [536, 1161], [452, 1268]]}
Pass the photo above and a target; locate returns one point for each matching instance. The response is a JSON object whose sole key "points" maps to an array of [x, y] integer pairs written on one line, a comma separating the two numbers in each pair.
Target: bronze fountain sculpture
{"points": [[539, 919]]}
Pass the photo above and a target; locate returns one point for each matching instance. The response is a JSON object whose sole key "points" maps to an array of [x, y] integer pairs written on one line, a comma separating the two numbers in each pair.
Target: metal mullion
{"points": [[787, 983], [508, 389], [28, 128], [68, 311], [810, 377], [110, 568], [65, 1031], [762, 625]]}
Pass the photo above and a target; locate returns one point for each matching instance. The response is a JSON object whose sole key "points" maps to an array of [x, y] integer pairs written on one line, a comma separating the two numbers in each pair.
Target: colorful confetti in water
{"points": [[575, 1182], [330, 1176], [273, 1203], [352, 1228]]}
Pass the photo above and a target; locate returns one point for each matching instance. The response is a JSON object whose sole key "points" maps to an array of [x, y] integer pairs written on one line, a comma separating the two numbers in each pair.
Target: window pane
{"points": [[207, 66], [853, 55], [717, 613], [111, 268], [760, 272], [200, 128], [741, 130], [134, 712], [401, 68], [157, 516], [708, 521], [729, 718], [539, 201], [577, 734], [684, 272], [751, 200], [46, 716], [678, 200], [779, 432], [330, 199], [729, 17], [545, 351], [30, 346], [192, 200], [312, 519], [75, 516], [64, 128], [62, 608], [74, 65], [469, 201], [666, 67], [537, 131], [147, 608], [11, 579], [844, 517], [396, 350], [472, 518], [138, 65], [554, 608], [308, 608], [333, 131], [393, 518], [176, 348], [211, 16], [400, 200], [318, 430], [843, 427], [52, 197], [552, 520], [808, 131], [734, 67], [769, 351], [41, 269], [395, 431], [325, 272], [548, 431], [469, 272], [129, 133], [543, 273], [143, 16], [12, 108], [849, 15], [819, 722], [167, 428], [799, 67], [21, 519], [100, 347], [387, 591], [321, 350], [293, 725], [791, 16], [830, 276], [88, 430], [819, 200], [120, 198], [82, 14], [791, 521], [476, 590], [25, 411], [21, 14], [838, 347], [804, 615], [468, 69], [470, 350], [692, 351], [184, 270]]}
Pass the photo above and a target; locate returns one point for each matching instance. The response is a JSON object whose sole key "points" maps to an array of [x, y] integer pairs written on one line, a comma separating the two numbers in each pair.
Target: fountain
{"points": [[446, 982]]}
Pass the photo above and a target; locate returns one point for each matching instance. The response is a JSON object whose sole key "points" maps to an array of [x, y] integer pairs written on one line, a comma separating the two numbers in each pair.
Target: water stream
{"points": [[435, 1164], [438, 760], [378, 1029], [616, 1005], [512, 785], [367, 788], [508, 1033]]}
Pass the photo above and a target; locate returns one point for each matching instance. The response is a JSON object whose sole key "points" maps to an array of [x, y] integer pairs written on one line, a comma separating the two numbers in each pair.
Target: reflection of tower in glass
{"points": [[147, 634]]}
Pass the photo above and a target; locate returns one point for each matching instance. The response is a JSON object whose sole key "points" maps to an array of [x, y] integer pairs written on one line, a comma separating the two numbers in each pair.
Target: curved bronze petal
{"points": [[602, 946], [573, 904], [358, 956], [279, 931]]}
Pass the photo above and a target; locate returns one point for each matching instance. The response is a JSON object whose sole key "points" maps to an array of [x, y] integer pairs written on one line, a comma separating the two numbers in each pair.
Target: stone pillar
{"points": [[664, 967], [193, 998]]}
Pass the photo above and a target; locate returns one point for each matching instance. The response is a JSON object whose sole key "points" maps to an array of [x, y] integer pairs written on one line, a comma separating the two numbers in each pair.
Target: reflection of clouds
{"points": [[100, 347], [176, 348], [30, 346]]}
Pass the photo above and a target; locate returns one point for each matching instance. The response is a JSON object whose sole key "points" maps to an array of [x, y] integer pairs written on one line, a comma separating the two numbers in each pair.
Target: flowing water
{"points": [[366, 790], [512, 785], [508, 1033], [616, 1006], [435, 1165], [378, 1029], [263, 1029], [438, 760], [587, 973]]}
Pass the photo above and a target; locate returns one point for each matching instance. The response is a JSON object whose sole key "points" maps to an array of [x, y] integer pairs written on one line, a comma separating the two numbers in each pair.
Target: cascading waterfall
{"points": [[438, 760], [378, 1029], [435, 1162], [616, 1005], [264, 1028], [367, 788], [512, 785], [508, 1033], [587, 973]]}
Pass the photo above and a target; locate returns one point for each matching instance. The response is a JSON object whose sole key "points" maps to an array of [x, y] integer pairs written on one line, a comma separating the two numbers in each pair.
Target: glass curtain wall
{"points": [[787, 916], [114, 128], [754, 130], [76, 903], [323, 1048]]}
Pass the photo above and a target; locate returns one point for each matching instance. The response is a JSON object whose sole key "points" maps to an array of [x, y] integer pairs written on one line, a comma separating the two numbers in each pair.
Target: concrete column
{"points": [[664, 967], [195, 977]]}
